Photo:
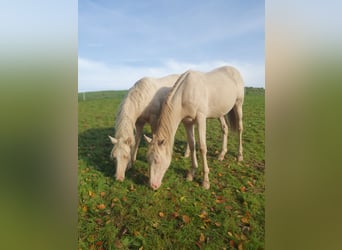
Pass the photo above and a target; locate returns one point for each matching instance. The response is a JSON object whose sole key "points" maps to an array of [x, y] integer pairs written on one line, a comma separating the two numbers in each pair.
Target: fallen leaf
{"points": [[84, 208], [250, 184], [244, 220], [228, 208], [219, 174], [219, 200], [161, 214], [207, 220], [243, 189], [175, 214], [91, 193], [99, 221], [201, 238], [231, 243], [99, 243], [218, 224], [230, 234], [101, 206], [102, 194], [203, 214], [240, 247], [186, 219]]}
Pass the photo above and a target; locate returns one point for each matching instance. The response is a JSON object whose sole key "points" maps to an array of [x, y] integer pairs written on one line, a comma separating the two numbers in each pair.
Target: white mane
{"points": [[130, 108]]}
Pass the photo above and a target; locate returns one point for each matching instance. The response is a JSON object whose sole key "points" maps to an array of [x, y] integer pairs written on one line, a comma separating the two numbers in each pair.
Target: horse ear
{"points": [[129, 141], [112, 139], [147, 139]]}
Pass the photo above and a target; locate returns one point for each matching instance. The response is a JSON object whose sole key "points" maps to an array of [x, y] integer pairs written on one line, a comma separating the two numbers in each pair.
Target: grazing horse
{"points": [[141, 105], [195, 97]]}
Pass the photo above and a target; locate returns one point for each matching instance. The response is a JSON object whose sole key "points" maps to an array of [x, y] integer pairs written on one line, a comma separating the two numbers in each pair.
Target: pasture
{"points": [[180, 214]]}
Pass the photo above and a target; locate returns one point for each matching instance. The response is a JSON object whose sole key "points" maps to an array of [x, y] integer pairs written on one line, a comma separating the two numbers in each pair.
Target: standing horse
{"points": [[195, 97], [141, 105]]}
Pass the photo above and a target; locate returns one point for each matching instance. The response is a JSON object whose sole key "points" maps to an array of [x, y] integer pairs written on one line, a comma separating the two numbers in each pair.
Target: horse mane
{"points": [[175, 87], [125, 118], [164, 130]]}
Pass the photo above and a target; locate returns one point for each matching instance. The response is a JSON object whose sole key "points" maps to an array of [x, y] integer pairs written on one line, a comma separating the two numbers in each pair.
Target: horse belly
{"points": [[219, 107]]}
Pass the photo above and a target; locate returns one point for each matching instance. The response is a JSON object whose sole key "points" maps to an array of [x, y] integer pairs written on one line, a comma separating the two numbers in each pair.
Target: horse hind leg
{"points": [[224, 128], [238, 109], [187, 150]]}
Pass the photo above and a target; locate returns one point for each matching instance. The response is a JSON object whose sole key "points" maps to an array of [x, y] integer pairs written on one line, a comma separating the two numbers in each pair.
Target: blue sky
{"points": [[122, 41]]}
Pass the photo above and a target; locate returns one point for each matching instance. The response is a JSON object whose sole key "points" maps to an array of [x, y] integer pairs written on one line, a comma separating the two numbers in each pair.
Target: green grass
{"points": [[180, 214]]}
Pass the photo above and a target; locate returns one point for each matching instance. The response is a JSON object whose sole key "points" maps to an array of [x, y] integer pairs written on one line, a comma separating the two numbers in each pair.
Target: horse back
{"points": [[151, 101], [213, 93]]}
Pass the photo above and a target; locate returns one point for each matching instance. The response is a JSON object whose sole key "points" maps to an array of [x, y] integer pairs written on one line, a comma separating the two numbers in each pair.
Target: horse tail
{"points": [[232, 119]]}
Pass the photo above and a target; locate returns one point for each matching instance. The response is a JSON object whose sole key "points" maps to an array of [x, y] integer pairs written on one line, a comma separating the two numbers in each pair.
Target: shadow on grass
{"points": [[94, 148]]}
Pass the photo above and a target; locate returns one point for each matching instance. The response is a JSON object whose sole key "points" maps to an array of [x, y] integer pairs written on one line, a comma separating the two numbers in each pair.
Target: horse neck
{"points": [[125, 123], [169, 122]]}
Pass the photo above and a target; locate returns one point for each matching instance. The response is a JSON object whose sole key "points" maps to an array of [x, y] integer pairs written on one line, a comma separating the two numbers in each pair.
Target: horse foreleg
{"points": [[191, 144], [201, 120], [139, 128], [224, 128]]}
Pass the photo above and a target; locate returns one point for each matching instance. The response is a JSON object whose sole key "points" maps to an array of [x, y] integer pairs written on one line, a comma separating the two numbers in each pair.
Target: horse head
{"points": [[121, 153], [159, 159]]}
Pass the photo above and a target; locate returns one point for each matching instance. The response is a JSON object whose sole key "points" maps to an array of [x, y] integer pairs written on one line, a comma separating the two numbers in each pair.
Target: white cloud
{"points": [[95, 76]]}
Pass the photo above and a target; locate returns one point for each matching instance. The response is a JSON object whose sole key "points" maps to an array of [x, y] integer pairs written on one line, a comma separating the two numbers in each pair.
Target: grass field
{"points": [[180, 214]]}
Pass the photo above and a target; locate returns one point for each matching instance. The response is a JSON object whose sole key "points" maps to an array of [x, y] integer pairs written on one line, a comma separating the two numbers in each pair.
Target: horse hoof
{"points": [[206, 185], [240, 158], [120, 179], [221, 157], [189, 177]]}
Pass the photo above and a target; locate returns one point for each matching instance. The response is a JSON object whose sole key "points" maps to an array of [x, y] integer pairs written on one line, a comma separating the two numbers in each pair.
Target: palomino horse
{"points": [[195, 97], [141, 105]]}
